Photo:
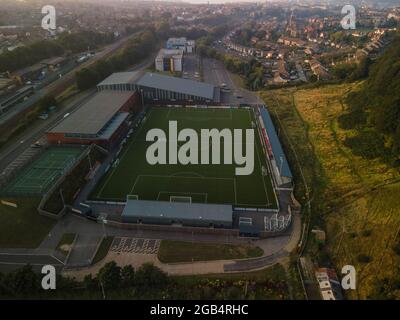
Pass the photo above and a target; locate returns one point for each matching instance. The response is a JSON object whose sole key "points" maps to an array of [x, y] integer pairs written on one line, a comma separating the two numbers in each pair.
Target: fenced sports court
{"points": [[36, 178]]}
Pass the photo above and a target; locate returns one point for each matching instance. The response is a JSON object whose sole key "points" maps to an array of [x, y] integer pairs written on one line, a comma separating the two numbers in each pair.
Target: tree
{"points": [[150, 275], [162, 29], [89, 282], [233, 293], [110, 275], [103, 68], [48, 101], [86, 78], [24, 281], [362, 69], [3, 285], [128, 276]]}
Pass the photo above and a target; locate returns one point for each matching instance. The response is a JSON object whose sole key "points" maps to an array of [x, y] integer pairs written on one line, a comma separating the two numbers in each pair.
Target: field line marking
{"points": [[183, 193], [134, 184], [234, 187], [127, 148], [187, 172], [182, 177], [259, 163]]}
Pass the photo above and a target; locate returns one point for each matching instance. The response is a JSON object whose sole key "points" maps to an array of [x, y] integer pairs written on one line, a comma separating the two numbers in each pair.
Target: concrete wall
{"points": [[132, 226], [184, 222]]}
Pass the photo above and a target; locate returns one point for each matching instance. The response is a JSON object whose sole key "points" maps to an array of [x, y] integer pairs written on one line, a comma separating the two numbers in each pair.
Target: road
{"points": [[214, 72], [11, 151], [12, 261], [69, 77], [191, 65]]}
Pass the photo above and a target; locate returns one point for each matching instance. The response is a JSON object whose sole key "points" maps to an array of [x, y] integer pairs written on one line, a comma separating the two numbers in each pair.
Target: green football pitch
{"points": [[37, 177], [211, 183]]}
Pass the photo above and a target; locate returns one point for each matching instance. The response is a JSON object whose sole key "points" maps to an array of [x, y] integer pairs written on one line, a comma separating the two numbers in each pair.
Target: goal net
{"points": [[132, 197]]}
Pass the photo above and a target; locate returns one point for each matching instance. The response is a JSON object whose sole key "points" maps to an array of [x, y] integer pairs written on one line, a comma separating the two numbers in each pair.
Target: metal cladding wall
{"points": [[182, 221], [165, 95], [132, 105], [60, 138], [186, 214]]}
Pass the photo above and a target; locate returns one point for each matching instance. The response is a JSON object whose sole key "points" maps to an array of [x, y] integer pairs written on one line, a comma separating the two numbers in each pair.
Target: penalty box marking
{"points": [[176, 177], [183, 193]]}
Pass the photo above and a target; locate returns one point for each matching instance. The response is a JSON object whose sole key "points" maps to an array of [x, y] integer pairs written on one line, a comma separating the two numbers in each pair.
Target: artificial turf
{"points": [[37, 177], [211, 183]]}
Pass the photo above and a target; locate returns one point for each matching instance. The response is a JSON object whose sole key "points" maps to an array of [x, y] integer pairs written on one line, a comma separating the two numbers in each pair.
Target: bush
{"points": [[396, 248], [366, 233], [150, 275], [352, 120], [367, 144], [109, 275], [363, 258]]}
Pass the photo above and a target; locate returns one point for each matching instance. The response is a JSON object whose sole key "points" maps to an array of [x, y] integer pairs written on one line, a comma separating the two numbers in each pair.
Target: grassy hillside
{"points": [[376, 105], [353, 197], [23, 227]]}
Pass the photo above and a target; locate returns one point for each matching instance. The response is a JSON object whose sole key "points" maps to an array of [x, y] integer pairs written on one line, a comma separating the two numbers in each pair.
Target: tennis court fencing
{"points": [[37, 172], [14, 168], [60, 180]]}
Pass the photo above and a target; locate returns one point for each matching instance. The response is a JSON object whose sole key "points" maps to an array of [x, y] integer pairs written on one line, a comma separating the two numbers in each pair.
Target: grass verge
{"points": [[179, 251], [65, 244], [23, 227], [103, 249]]}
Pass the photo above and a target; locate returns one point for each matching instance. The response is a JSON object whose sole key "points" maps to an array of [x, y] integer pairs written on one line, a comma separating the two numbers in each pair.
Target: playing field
{"points": [[211, 183], [38, 177]]}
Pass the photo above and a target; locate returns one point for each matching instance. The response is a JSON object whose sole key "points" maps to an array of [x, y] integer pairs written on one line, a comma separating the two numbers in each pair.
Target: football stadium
{"points": [[133, 177]]}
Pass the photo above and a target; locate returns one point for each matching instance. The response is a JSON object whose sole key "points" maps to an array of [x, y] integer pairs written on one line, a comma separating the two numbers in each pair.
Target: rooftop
{"points": [[94, 115], [185, 86], [121, 78], [169, 53], [275, 144], [178, 210]]}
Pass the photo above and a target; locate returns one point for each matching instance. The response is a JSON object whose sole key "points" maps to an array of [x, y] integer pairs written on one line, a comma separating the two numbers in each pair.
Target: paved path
{"points": [[90, 233], [84, 250], [275, 250]]}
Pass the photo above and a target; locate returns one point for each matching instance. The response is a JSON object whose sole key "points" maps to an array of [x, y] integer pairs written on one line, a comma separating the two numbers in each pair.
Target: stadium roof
{"points": [[178, 210], [109, 129], [185, 86], [275, 144], [121, 78], [94, 115]]}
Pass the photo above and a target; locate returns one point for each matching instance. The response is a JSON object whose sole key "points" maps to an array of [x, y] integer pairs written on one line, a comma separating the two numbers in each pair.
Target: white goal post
{"points": [[132, 197], [180, 199]]}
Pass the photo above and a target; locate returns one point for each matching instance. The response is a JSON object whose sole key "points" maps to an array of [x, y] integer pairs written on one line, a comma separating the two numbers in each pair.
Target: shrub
{"points": [[368, 144], [363, 258]]}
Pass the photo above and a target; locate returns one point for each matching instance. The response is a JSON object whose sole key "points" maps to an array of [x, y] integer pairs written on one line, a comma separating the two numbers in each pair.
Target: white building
{"points": [[188, 46], [329, 285], [169, 60]]}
